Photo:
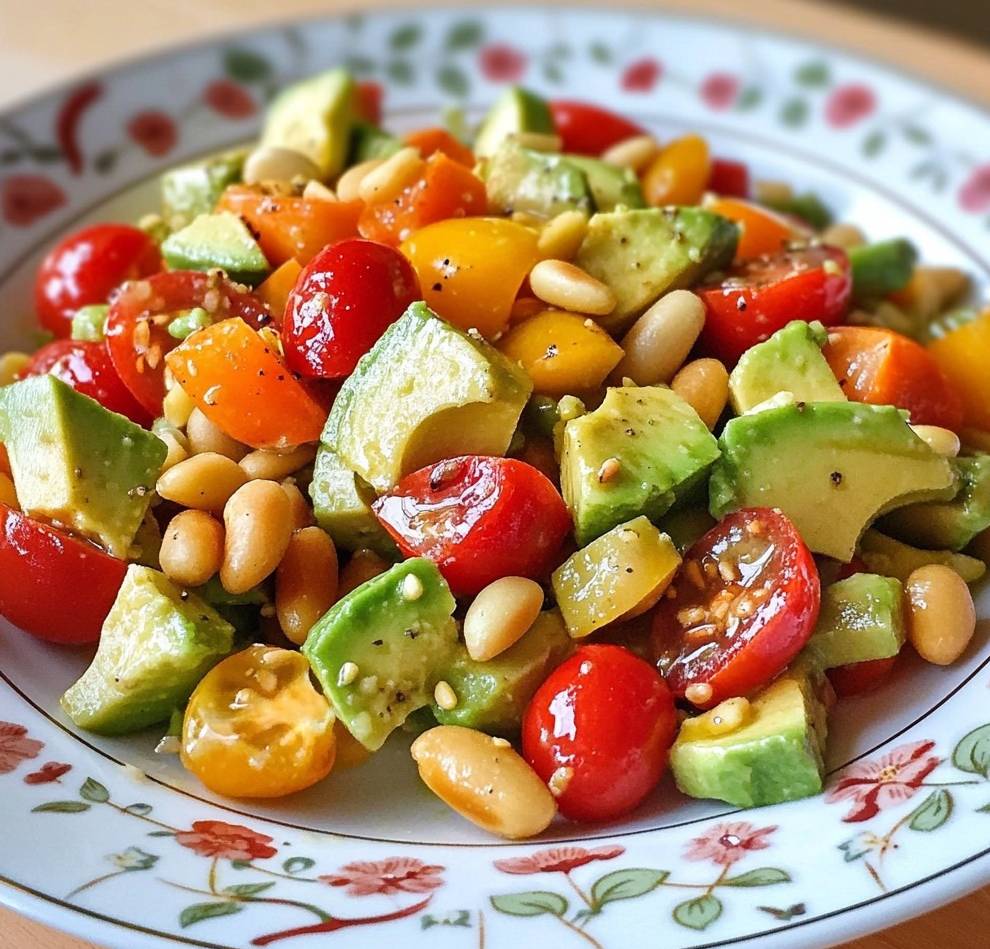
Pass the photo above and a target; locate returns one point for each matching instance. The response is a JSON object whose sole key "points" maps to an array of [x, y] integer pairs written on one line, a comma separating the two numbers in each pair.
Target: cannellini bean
{"points": [[386, 182], [704, 385], [204, 436], [176, 451], [362, 567], [500, 615], [349, 183], [259, 527], [318, 191], [177, 407], [305, 582], [274, 163], [562, 284], [636, 152], [302, 513], [942, 441], [941, 617], [770, 191], [561, 237], [8, 494], [192, 548], [204, 482], [276, 465], [659, 341], [846, 236]]}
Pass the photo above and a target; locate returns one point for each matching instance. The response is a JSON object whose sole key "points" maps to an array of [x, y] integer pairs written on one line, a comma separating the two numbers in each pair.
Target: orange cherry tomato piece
{"points": [[432, 140], [963, 355], [277, 286], [679, 174], [761, 231]]}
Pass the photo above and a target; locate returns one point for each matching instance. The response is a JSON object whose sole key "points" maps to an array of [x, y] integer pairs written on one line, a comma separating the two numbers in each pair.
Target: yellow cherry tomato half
{"points": [[256, 727], [679, 174], [470, 269]]}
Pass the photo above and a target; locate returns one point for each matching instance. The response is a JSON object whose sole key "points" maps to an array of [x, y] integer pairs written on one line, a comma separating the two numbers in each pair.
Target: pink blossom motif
{"points": [[849, 104], [890, 779], [215, 838], [974, 196], [720, 91], [229, 99], [499, 62], [641, 75], [48, 772], [724, 844], [154, 131], [557, 859], [15, 746], [26, 198], [392, 875]]}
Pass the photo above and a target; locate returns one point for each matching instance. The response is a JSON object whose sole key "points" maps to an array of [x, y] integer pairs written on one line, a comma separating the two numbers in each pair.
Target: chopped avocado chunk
{"points": [[89, 323], [662, 449], [611, 186], [790, 360], [687, 526], [217, 240], [492, 696], [952, 524], [881, 268], [517, 110], [618, 576], [157, 643], [78, 464], [314, 118], [831, 467], [641, 254], [147, 545], [190, 322], [342, 506], [194, 189], [369, 142], [426, 391], [808, 207], [379, 651], [523, 179], [776, 756], [861, 619], [891, 558]]}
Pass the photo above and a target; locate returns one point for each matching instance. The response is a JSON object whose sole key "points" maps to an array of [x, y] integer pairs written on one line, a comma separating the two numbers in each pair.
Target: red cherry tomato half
{"points": [[746, 601], [86, 266], [757, 297], [88, 369], [860, 677], [344, 299], [729, 178], [478, 519], [137, 334], [589, 129], [368, 101], [603, 721], [51, 585]]}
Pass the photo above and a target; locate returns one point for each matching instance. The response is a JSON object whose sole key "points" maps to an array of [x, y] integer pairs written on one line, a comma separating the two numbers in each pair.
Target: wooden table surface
{"points": [[48, 40]]}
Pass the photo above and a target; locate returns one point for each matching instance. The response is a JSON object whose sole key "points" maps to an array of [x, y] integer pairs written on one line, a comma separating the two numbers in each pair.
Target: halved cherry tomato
{"points": [[600, 728], [52, 585], [86, 266], [679, 174], [588, 129], [429, 141], [746, 602], [761, 295], [342, 302], [256, 727], [88, 369], [860, 677], [478, 519], [238, 381], [368, 97], [882, 367], [289, 226], [761, 231], [729, 178], [137, 334]]}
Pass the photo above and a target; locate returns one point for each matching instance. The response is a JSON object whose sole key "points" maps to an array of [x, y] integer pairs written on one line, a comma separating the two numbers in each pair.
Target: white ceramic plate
{"points": [[102, 838]]}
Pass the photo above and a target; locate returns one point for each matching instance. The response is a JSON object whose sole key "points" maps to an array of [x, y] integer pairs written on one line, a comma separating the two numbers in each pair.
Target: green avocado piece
{"points": [[861, 619], [881, 268], [399, 632], [369, 142], [777, 756], [687, 526], [891, 558], [314, 118], [492, 696], [194, 189], [808, 207], [831, 467], [89, 323], [611, 186], [424, 392], [642, 254], [213, 241], [790, 360], [78, 464], [157, 642], [342, 506], [950, 524], [541, 183], [147, 545], [517, 110]]}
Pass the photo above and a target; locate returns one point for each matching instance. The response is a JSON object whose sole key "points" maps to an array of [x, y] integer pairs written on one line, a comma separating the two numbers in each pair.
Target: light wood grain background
{"points": [[46, 41]]}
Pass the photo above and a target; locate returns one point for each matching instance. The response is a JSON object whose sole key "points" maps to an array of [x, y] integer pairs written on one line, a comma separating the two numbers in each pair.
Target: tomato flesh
{"points": [[729, 178], [589, 129], [478, 519], [744, 604], [600, 727], [858, 678]]}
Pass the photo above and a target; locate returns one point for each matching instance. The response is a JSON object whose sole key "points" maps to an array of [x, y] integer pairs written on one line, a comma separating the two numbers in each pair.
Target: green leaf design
{"points": [[533, 903], [248, 889], [61, 807], [139, 810], [405, 36], [240, 864], [453, 79], [400, 71], [761, 876], [296, 865], [698, 913], [94, 791], [360, 65], [161, 833], [134, 858], [855, 848], [625, 885], [813, 74], [552, 72], [794, 112], [245, 65], [972, 754], [917, 135], [986, 807], [463, 35], [200, 911], [933, 812], [784, 915], [105, 161], [600, 53], [749, 98], [874, 143]]}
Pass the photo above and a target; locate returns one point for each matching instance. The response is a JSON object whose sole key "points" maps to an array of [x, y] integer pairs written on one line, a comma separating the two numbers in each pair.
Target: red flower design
{"points": [[499, 62], [16, 747], [849, 104], [720, 90], [392, 875], [229, 99], [25, 198], [154, 131], [890, 779], [724, 844], [48, 772], [215, 838], [641, 75], [557, 859], [974, 196]]}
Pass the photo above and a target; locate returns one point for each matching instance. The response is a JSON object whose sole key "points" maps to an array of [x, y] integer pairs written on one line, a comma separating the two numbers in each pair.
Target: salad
{"points": [[571, 456]]}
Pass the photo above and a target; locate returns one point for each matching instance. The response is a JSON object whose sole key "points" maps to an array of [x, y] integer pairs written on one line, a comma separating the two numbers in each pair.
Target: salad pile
{"points": [[577, 455]]}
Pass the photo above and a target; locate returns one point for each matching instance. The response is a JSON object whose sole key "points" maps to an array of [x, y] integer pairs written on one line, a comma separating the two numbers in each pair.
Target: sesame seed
{"points": [[349, 671], [608, 470], [210, 395], [445, 696], [699, 693], [728, 571], [412, 587]]}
